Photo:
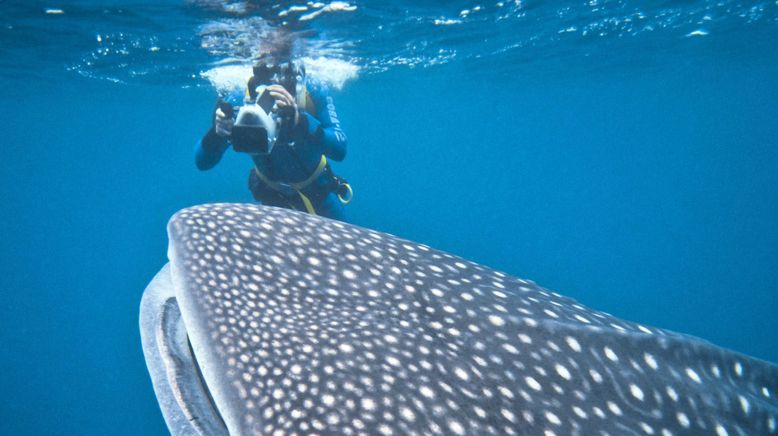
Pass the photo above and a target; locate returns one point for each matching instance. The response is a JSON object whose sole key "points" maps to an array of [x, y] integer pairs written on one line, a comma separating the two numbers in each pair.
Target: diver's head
{"points": [[271, 69]]}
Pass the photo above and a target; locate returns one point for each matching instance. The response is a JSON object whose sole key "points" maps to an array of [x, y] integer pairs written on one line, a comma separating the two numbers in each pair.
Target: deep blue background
{"points": [[649, 191]]}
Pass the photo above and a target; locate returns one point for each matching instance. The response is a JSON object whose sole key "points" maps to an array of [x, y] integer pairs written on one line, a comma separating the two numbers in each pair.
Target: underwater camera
{"points": [[256, 126]]}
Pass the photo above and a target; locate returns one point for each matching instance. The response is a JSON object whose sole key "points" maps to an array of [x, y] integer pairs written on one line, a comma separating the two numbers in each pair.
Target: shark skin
{"points": [[270, 321]]}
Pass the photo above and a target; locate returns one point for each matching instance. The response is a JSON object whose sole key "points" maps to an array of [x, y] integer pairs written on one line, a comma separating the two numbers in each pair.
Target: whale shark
{"points": [[267, 321]]}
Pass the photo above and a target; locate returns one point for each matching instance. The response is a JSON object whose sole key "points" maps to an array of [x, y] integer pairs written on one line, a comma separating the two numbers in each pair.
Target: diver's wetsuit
{"points": [[317, 133]]}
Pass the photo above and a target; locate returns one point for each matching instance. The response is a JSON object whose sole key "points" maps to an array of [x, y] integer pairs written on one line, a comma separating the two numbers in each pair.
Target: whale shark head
{"points": [[270, 321]]}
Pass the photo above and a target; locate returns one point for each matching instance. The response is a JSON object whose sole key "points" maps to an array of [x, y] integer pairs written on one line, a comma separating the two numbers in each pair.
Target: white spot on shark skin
{"points": [[580, 412], [693, 375], [552, 418], [636, 392], [672, 394], [532, 383], [496, 320], [645, 329], [614, 408], [562, 371], [456, 427], [647, 429], [314, 261], [461, 374], [610, 354], [744, 404], [407, 414], [368, 404], [505, 392], [328, 400], [510, 348], [738, 369], [582, 319], [650, 361], [683, 420]]}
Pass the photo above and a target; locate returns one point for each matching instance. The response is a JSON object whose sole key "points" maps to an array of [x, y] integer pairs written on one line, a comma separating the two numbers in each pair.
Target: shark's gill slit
{"points": [[217, 418], [183, 373]]}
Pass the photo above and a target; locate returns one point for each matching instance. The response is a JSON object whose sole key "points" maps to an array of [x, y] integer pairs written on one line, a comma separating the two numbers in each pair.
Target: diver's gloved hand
{"points": [[285, 103], [222, 123]]}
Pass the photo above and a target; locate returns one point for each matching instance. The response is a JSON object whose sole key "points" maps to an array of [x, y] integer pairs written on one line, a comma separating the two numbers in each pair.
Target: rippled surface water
{"points": [[176, 41], [622, 153]]}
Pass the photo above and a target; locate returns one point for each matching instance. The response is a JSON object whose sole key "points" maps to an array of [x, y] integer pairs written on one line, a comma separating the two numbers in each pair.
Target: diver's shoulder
{"points": [[316, 86], [235, 97]]}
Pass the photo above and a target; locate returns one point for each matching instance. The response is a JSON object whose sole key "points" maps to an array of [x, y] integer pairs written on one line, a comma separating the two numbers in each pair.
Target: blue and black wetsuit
{"points": [[295, 174]]}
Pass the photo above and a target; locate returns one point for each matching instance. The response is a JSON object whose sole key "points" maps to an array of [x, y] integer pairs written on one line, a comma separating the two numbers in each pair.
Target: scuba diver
{"points": [[289, 127]]}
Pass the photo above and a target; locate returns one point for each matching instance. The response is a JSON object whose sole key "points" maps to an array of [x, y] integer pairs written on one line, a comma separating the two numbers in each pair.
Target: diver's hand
{"points": [[284, 101], [222, 124]]}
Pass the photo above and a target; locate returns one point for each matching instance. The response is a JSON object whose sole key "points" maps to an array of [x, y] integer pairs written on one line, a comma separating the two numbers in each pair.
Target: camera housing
{"points": [[256, 126]]}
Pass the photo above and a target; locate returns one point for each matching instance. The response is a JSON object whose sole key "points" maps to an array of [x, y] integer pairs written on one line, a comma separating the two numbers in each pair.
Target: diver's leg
{"points": [[267, 196], [331, 207]]}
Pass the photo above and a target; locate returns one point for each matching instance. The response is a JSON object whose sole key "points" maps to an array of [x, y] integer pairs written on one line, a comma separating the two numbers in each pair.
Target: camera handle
{"points": [[228, 109]]}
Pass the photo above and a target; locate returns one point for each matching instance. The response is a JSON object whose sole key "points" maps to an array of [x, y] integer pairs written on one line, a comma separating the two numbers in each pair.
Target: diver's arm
{"points": [[210, 150], [322, 131]]}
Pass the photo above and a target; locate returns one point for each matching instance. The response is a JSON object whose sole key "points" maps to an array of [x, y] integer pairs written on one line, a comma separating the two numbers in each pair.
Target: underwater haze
{"points": [[622, 153]]}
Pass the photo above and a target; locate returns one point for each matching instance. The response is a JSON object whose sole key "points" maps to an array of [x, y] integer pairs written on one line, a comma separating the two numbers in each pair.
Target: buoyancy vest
{"points": [[297, 189]]}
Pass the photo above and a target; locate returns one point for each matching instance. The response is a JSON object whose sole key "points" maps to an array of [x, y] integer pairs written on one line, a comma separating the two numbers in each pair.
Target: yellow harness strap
{"points": [[307, 202], [297, 186]]}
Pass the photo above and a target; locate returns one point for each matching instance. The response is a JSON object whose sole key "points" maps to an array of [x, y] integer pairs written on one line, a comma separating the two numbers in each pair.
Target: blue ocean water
{"points": [[630, 163]]}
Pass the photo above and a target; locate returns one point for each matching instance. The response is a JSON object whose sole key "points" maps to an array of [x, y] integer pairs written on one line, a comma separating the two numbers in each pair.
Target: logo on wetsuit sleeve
{"points": [[335, 121]]}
